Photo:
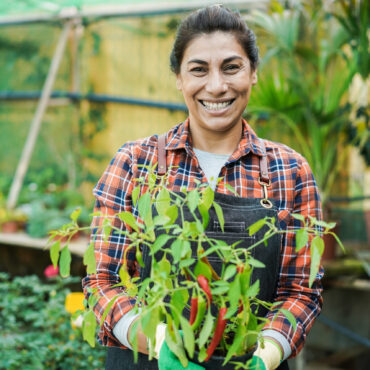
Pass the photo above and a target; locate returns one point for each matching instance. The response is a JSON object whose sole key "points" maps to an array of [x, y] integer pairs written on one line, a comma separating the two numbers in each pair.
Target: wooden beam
{"points": [[37, 118], [127, 10]]}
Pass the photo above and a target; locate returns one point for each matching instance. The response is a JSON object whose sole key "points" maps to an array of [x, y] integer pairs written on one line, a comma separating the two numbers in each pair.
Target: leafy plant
{"points": [[304, 79], [181, 275], [36, 331]]}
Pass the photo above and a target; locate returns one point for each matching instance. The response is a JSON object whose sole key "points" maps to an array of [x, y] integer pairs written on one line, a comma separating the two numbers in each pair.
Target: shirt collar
{"points": [[179, 138]]}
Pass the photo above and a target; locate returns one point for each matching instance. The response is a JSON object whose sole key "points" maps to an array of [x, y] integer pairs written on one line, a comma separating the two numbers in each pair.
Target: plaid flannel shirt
{"points": [[293, 187]]}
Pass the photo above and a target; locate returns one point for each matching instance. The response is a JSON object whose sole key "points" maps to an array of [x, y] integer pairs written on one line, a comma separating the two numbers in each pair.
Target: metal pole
{"points": [[37, 118], [128, 10]]}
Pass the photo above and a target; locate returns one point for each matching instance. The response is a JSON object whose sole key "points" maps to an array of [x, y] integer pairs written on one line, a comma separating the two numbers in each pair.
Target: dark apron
{"points": [[239, 214]]}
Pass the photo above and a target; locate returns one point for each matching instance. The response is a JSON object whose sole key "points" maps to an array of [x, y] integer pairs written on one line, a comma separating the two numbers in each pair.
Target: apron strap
{"points": [[162, 162], [264, 173], [264, 179]]}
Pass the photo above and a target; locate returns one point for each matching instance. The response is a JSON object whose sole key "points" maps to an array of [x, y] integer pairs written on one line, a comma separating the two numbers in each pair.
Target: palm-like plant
{"points": [[304, 79]]}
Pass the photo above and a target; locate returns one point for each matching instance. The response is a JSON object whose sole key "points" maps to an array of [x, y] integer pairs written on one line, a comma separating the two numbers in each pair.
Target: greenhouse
{"points": [[97, 214]]}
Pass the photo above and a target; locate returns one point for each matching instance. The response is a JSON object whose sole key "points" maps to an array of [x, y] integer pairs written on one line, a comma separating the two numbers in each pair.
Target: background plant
{"points": [[313, 54], [36, 331]]}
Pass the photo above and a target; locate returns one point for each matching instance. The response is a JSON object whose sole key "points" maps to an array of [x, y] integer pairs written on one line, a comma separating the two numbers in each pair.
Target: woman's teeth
{"points": [[216, 106]]}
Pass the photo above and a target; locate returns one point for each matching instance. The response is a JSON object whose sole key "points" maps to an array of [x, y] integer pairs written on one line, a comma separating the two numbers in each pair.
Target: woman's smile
{"points": [[217, 106]]}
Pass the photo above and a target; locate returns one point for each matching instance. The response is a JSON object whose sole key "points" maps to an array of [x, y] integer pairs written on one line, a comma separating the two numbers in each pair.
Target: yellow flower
{"points": [[74, 302]]}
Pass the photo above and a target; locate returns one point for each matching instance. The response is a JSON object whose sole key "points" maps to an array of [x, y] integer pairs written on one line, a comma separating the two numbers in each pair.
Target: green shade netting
{"points": [[27, 7]]}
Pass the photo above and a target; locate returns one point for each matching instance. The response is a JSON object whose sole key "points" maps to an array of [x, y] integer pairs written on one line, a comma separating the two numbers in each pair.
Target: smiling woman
{"points": [[215, 60]]}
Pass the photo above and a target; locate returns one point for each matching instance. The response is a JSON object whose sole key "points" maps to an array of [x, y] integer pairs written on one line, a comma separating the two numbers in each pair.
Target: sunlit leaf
{"points": [[65, 262], [220, 215], [88, 328], [301, 238], [89, 259], [256, 226], [54, 253], [317, 249]]}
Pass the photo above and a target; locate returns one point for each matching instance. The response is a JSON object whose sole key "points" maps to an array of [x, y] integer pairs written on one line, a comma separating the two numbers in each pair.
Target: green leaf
{"points": [[317, 249], [234, 296], [202, 268], [290, 317], [179, 299], [54, 253], [234, 349], [164, 265], [301, 238], [89, 259], [176, 345], [339, 242], [229, 272], [256, 226], [189, 341], [193, 200], [220, 215], [232, 189], [206, 329], [144, 205], [220, 290], [75, 214], [88, 328], [135, 194], [107, 309], [65, 262], [163, 202], [255, 263], [172, 213], [129, 219], [149, 321], [204, 213], [253, 290], [298, 216], [160, 242], [208, 196], [176, 250]]}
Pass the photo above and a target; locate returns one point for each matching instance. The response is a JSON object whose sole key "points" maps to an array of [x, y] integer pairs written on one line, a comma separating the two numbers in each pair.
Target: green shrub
{"points": [[36, 331]]}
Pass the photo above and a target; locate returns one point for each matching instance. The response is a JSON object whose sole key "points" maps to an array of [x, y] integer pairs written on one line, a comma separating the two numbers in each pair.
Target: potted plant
{"points": [[216, 309], [11, 220]]}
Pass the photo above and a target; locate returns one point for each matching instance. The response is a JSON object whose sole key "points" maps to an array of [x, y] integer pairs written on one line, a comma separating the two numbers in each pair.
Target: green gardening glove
{"points": [[256, 363], [168, 360]]}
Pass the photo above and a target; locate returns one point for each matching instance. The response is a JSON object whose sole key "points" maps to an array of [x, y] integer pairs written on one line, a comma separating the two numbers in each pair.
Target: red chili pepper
{"points": [[220, 328], [240, 269], [240, 306], [204, 284], [193, 310]]}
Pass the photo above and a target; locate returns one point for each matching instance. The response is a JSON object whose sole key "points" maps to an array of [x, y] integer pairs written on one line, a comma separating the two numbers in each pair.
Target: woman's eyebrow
{"points": [[198, 61], [230, 59]]}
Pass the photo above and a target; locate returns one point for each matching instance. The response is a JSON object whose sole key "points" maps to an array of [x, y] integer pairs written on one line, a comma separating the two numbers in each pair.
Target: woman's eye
{"points": [[197, 69], [231, 67]]}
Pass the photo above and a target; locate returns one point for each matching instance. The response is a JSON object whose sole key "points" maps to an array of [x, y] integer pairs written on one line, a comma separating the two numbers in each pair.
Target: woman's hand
{"points": [[142, 340]]}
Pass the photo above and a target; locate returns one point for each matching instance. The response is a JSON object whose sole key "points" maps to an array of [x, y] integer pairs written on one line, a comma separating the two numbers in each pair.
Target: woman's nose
{"points": [[216, 83]]}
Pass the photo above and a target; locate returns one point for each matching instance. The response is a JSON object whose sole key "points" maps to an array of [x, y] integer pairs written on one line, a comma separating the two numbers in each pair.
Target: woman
{"points": [[215, 59]]}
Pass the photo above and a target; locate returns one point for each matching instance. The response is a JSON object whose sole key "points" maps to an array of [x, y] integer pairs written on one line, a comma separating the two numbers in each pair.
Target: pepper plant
{"points": [[222, 305]]}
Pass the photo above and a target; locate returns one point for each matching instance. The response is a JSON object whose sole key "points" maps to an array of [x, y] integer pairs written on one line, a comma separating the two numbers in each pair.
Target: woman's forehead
{"points": [[215, 45]]}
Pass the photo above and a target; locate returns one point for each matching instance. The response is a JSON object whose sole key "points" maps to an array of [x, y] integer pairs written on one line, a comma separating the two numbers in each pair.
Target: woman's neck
{"points": [[218, 142]]}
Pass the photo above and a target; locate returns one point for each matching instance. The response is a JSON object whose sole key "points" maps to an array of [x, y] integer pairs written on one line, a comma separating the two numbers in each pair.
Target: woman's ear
{"points": [[254, 77], [178, 82]]}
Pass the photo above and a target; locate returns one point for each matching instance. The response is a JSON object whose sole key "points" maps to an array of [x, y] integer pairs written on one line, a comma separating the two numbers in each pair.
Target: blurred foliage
{"points": [[304, 79], [36, 331]]}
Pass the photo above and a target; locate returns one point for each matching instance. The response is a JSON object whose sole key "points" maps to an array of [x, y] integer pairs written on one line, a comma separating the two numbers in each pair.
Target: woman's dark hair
{"points": [[211, 19]]}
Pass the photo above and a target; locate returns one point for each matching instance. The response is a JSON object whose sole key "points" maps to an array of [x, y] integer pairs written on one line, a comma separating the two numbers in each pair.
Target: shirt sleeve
{"points": [[293, 289], [113, 195]]}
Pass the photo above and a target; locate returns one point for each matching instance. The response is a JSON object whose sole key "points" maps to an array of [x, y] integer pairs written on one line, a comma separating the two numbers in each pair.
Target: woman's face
{"points": [[216, 80]]}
